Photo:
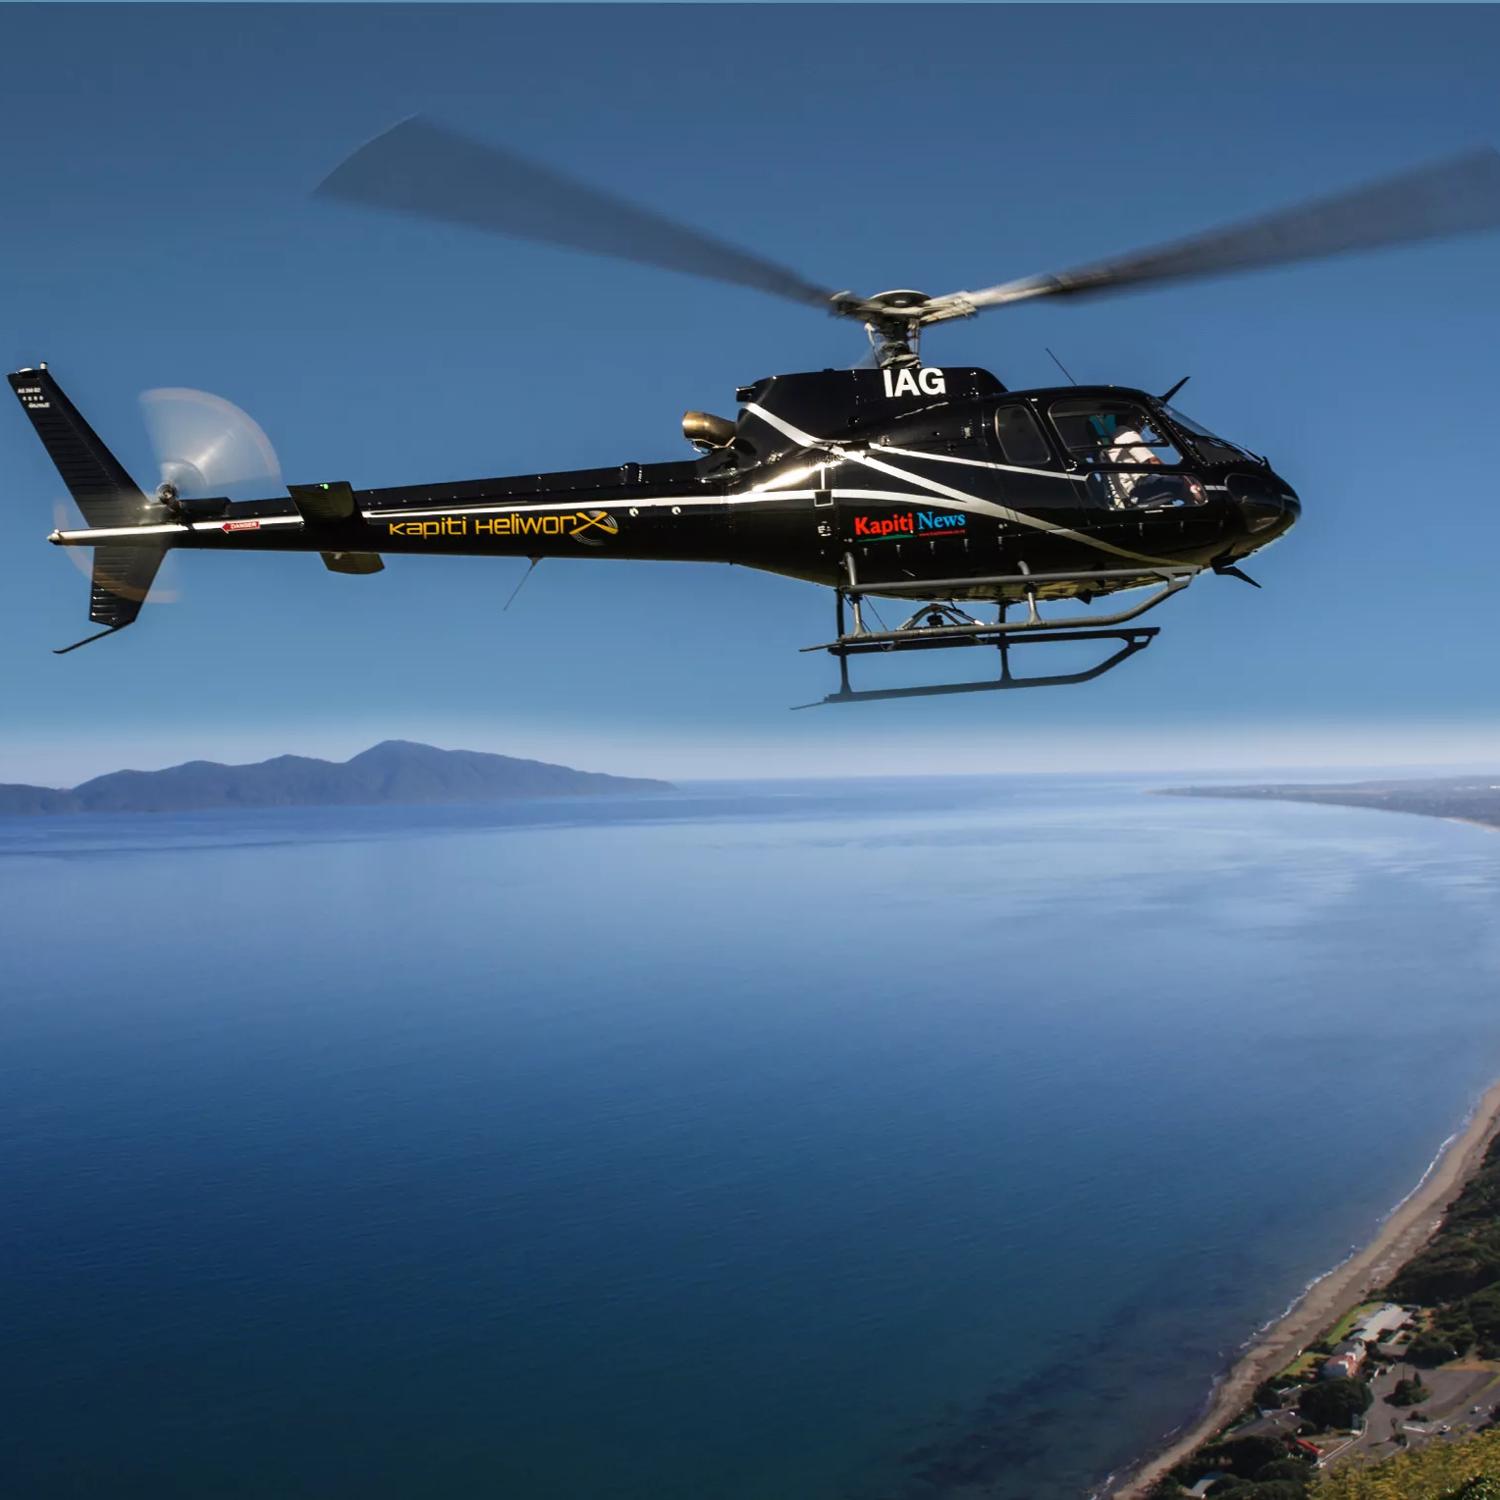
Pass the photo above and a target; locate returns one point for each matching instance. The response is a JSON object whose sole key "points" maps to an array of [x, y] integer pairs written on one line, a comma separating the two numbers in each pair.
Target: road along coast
{"points": [[1404, 1232]]}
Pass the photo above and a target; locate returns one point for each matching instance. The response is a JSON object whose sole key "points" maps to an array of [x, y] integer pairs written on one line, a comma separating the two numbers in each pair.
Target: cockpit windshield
{"points": [[1215, 449]]}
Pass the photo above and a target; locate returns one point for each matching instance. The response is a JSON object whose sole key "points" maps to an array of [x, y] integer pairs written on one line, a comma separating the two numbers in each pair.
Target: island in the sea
{"points": [[1383, 1381], [394, 773]]}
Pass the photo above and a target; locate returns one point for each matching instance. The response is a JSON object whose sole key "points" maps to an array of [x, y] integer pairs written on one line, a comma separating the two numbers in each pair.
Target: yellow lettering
{"points": [[444, 526]]}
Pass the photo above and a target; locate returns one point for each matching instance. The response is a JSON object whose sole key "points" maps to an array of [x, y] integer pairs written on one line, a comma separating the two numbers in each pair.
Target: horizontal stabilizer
{"points": [[323, 502], [353, 562]]}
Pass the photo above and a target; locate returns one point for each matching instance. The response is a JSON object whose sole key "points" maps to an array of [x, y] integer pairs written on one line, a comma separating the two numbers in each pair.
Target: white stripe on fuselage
{"points": [[983, 463], [515, 507], [962, 499], [229, 523], [764, 493]]}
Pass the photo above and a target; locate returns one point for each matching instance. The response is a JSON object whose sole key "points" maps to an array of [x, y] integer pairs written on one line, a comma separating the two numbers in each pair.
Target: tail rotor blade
{"points": [[64, 518], [167, 588], [206, 445]]}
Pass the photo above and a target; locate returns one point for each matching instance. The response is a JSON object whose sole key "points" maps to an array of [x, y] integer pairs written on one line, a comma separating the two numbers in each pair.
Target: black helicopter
{"points": [[930, 484]]}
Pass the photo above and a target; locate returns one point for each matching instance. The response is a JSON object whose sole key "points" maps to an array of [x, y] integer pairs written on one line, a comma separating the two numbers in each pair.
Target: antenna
{"points": [[521, 585], [1061, 366]]}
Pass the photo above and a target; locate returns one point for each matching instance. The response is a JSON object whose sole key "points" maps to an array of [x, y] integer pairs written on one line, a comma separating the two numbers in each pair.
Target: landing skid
{"points": [[945, 624]]}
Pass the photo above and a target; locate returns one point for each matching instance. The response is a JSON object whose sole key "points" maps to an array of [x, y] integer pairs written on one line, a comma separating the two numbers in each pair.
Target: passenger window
{"points": [[1021, 441], [1101, 430]]}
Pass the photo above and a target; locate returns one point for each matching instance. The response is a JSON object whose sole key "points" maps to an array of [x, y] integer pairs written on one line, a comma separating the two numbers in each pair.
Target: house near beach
{"points": [[1376, 1327], [1346, 1361]]}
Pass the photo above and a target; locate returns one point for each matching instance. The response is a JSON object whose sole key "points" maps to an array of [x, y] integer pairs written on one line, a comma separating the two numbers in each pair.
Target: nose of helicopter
{"points": [[1267, 504]]}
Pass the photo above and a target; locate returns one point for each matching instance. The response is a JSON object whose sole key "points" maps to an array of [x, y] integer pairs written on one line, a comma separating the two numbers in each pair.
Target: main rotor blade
{"points": [[422, 168], [1457, 196]]}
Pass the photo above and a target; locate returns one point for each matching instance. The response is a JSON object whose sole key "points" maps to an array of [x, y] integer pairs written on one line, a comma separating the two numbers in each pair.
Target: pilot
{"points": [[1122, 445], [1129, 447]]}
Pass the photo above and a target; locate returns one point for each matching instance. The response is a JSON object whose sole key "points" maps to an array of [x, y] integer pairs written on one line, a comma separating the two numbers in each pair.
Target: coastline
{"points": [[1473, 823], [1401, 1234]]}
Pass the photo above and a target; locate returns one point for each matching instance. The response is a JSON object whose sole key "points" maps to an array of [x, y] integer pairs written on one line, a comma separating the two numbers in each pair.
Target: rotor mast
{"points": [[893, 324]]}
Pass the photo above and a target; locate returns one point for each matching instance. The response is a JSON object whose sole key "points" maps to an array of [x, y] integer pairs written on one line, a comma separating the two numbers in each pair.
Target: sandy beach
{"points": [[1400, 1237]]}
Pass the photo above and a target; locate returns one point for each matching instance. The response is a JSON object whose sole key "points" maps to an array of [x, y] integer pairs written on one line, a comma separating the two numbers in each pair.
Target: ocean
{"points": [[795, 1141]]}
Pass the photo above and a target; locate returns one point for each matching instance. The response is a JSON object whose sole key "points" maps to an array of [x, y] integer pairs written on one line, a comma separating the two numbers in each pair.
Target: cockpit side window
{"points": [[1111, 432], [1020, 438]]}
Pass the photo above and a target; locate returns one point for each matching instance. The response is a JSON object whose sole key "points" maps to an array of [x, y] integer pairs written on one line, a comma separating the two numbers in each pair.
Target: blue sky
{"points": [[155, 178]]}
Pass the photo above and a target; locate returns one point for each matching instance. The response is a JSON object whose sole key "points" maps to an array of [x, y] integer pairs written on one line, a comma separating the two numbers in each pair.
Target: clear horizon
{"points": [[708, 764]]}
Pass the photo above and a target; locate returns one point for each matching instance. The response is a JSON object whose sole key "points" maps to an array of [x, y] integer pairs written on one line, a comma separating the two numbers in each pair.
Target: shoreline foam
{"points": [[1408, 1226]]}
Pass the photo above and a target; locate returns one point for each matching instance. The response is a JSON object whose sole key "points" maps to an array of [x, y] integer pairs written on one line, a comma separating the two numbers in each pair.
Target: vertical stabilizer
{"points": [[105, 493], [108, 497]]}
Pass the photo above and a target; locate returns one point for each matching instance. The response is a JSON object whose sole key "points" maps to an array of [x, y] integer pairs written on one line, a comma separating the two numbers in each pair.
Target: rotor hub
{"points": [[893, 324]]}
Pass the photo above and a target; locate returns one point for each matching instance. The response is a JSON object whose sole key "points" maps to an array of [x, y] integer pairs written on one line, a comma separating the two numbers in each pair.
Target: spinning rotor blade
{"points": [[65, 517], [206, 445], [1457, 196], [422, 168]]}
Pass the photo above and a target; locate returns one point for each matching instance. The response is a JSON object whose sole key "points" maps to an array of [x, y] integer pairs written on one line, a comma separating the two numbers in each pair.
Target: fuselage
{"points": [[841, 477]]}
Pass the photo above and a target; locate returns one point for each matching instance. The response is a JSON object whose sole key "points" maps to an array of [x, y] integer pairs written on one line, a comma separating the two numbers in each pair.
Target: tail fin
{"points": [[108, 497]]}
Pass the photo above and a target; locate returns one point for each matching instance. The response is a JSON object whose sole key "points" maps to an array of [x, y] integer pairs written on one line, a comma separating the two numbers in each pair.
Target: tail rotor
{"points": [[206, 448]]}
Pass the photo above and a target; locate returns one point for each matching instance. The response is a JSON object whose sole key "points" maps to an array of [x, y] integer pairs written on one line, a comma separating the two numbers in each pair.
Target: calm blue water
{"points": [[753, 1144]]}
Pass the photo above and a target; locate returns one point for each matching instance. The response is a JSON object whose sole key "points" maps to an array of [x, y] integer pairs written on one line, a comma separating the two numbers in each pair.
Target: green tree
{"points": [[1429, 1349], [1296, 1469], [1334, 1403], [1244, 1457], [1409, 1391], [1483, 1311], [1265, 1396], [1481, 1487]]}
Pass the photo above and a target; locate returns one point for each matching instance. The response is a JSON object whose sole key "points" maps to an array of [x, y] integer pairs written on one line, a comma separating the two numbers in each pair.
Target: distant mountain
{"points": [[396, 772]]}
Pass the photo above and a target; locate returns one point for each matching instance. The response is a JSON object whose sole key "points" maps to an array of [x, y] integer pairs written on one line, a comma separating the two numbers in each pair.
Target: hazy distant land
{"points": [[395, 772], [1474, 799]]}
